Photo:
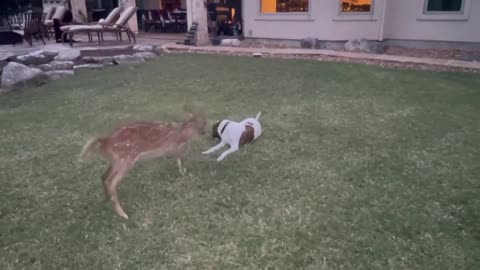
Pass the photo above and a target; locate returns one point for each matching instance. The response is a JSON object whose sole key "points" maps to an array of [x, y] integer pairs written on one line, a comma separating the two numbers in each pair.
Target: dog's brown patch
{"points": [[215, 134], [247, 135]]}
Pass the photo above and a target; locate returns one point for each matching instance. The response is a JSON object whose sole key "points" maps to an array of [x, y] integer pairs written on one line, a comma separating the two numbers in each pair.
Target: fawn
{"points": [[141, 141]]}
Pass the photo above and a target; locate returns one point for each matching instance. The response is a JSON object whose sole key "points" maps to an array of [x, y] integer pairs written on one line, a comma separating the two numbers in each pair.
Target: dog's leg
{"points": [[232, 149], [120, 170], [215, 148]]}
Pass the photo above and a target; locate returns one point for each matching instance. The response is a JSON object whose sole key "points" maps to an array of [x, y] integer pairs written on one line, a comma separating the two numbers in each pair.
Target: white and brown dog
{"points": [[235, 134]]}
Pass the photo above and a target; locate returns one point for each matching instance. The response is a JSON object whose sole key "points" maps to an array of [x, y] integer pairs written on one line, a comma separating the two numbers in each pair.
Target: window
{"points": [[356, 5], [444, 5], [282, 6]]}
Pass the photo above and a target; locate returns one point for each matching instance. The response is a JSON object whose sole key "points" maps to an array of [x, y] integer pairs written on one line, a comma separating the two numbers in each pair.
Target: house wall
{"points": [[403, 20], [407, 21], [323, 21]]}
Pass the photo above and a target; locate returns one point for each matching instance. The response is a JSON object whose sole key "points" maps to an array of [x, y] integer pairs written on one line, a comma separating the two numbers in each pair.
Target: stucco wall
{"points": [[323, 21], [404, 19]]}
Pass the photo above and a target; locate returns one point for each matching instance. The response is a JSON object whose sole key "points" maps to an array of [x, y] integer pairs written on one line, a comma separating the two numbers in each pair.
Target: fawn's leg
{"points": [[107, 175], [120, 170], [180, 161]]}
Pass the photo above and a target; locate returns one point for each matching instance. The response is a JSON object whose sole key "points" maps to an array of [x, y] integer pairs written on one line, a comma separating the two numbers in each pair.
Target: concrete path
{"points": [[342, 54]]}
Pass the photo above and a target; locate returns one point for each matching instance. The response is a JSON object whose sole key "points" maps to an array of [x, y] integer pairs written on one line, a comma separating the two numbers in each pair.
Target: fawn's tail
{"points": [[92, 144], [258, 115]]}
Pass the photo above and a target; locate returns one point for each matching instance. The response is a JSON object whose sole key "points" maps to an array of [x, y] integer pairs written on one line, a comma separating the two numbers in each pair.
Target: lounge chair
{"points": [[121, 25], [110, 20]]}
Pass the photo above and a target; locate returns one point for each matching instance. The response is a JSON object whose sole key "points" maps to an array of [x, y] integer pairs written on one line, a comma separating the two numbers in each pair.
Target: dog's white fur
{"points": [[232, 133]]}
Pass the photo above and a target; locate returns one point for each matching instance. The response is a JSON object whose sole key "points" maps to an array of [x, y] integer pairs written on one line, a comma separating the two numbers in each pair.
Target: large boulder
{"points": [[15, 75], [105, 60], [88, 67], [143, 48], [57, 65], [38, 57], [59, 74], [363, 45], [308, 43], [68, 54], [147, 56], [161, 50], [128, 59]]}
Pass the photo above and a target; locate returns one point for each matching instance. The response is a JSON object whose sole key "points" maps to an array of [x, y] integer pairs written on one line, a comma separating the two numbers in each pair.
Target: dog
{"points": [[141, 141], [234, 134]]}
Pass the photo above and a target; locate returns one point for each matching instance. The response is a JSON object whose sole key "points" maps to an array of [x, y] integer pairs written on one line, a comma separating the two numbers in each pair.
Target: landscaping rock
{"points": [[257, 55], [105, 60], [5, 56], [127, 59], [59, 74], [231, 42], [143, 48], [89, 66], [35, 58], [57, 65], [307, 43], [16, 75], [68, 54], [160, 50], [146, 55], [364, 45]]}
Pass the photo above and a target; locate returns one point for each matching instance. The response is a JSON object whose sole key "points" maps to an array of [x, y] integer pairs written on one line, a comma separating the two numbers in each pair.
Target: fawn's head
{"points": [[197, 122]]}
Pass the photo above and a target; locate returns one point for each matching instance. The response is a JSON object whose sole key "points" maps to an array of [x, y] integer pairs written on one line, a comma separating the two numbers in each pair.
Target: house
{"points": [[408, 22], [417, 23]]}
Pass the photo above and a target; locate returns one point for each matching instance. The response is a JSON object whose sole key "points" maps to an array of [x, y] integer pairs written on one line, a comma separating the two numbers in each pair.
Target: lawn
{"points": [[359, 167]]}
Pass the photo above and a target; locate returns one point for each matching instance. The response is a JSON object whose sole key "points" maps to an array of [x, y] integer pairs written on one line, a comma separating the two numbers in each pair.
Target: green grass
{"points": [[358, 168]]}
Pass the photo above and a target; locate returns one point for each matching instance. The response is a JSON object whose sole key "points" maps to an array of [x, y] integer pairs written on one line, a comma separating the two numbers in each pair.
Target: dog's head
{"points": [[215, 133]]}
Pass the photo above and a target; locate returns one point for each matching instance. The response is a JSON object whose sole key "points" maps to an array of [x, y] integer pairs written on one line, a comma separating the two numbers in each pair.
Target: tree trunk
{"points": [[197, 12]]}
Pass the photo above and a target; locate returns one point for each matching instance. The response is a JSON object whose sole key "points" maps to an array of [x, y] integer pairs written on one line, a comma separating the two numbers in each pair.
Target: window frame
{"points": [[463, 15], [425, 9], [372, 15], [285, 13], [346, 13]]}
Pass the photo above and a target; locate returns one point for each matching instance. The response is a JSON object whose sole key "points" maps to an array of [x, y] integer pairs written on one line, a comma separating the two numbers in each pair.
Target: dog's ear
{"points": [[215, 130]]}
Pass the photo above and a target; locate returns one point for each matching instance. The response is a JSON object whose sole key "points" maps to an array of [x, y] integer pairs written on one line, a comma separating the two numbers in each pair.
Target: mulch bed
{"points": [[380, 63]]}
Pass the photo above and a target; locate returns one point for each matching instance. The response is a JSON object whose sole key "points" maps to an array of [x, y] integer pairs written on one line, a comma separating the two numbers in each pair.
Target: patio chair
{"points": [[121, 25], [33, 27], [166, 20], [109, 20]]}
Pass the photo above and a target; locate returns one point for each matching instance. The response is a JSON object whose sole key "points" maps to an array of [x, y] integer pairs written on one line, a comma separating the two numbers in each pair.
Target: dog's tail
{"points": [[91, 145], [258, 115]]}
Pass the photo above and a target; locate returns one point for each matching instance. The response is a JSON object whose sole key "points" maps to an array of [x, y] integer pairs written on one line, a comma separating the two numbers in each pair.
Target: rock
{"points": [[231, 42], [59, 74], [127, 59], [105, 60], [364, 45], [160, 50], [16, 75], [68, 54], [89, 66], [143, 48], [146, 55], [35, 58], [57, 65], [257, 55], [5, 56], [307, 43]]}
